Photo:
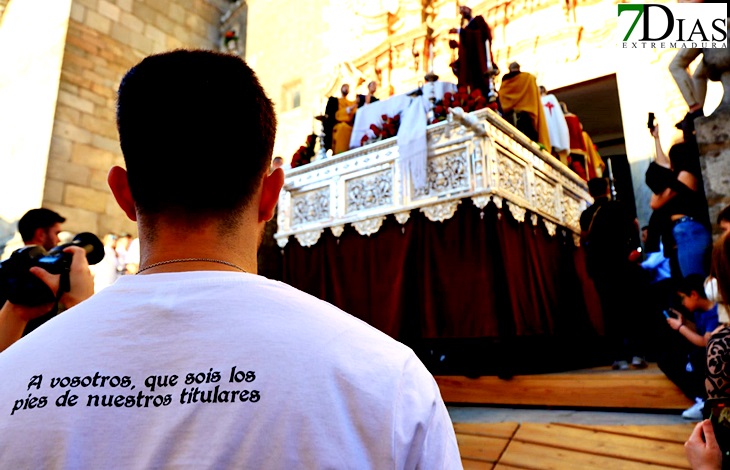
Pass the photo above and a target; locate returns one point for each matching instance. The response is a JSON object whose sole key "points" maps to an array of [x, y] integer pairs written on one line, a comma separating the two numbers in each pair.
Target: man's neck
{"points": [[165, 242]]}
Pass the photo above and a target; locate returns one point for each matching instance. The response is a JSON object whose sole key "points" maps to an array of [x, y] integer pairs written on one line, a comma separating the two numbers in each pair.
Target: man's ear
{"points": [[270, 194], [118, 183]]}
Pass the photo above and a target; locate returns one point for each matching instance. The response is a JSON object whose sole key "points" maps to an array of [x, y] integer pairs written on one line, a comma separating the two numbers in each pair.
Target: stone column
{"points": [[713, 137]]}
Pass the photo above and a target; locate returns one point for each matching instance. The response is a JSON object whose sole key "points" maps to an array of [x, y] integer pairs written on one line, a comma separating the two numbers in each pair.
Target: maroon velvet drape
{"points": [[478, 274], [367, 277]]}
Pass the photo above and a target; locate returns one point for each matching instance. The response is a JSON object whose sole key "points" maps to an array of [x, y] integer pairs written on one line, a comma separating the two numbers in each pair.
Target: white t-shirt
{"points": [[217, 370]]}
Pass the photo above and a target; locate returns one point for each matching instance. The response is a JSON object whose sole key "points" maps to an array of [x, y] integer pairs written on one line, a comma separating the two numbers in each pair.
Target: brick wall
{"points": [[106, 38]]}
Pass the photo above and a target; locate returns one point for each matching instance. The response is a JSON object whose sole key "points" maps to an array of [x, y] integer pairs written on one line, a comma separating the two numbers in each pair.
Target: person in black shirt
{"points": [[609, 233]]}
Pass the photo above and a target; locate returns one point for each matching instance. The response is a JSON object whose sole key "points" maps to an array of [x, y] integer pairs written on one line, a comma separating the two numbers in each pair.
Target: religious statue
{"points": [[717, 64], [362, 100], [522, 106], [557, 125], [475, 66], [343, 110], [693, 87]]}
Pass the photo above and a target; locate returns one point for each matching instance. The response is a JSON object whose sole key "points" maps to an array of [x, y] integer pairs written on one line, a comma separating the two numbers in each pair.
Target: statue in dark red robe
{"points": [[475, 66]]}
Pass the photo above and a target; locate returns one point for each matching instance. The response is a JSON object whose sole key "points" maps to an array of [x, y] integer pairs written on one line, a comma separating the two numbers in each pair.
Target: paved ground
{"points": [[469, 414]]}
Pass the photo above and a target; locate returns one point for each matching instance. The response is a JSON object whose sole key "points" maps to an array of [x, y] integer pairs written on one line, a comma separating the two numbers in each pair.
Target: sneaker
{"points": [[620, 365], [694, 412], [638, 362]]}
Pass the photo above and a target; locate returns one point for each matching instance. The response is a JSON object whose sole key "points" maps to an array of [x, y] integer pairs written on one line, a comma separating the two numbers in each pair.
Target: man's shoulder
{"points": [[587, 215], [234, 299]]}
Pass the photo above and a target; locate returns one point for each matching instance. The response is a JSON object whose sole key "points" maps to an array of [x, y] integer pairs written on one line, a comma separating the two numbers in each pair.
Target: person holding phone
{"points": [[685, 365], [702, 449], [680, 198]]}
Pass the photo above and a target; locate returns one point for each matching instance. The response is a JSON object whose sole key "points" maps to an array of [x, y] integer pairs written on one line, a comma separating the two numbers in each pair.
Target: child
{"points": [[690, 376]]}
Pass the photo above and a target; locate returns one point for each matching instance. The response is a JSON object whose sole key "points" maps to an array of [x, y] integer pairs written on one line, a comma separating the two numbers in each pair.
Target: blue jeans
{"points": [[694, 246]]}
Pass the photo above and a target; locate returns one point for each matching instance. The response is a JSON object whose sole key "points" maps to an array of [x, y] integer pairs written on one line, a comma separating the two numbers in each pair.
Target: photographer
{"points": [[14, 319], [42, 227]]}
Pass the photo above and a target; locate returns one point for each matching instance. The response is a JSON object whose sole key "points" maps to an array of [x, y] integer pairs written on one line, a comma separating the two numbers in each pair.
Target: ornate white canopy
{"points": [[476, 156]]}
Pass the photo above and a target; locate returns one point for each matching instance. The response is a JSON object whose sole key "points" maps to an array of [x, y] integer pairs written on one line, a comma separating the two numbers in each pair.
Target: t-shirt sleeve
{"points": [[423, 433]]}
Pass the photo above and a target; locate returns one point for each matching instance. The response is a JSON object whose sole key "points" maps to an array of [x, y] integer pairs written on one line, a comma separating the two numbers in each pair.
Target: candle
{"points": [[489, 59]]}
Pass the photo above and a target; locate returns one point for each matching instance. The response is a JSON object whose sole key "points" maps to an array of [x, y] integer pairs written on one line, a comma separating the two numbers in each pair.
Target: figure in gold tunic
{"points": [[345, 117]]}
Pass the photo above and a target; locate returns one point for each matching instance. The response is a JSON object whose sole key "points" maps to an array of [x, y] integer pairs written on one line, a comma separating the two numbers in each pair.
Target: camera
{"points": [[21, 287], [650, 124]]}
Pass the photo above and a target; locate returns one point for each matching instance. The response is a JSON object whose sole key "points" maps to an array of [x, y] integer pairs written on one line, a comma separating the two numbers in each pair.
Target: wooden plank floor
{"points": [[506, 446], [594, 388]]}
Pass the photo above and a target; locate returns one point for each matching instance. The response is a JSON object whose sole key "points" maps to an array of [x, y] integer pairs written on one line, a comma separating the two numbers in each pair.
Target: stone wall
{"points": [[106, 38]]}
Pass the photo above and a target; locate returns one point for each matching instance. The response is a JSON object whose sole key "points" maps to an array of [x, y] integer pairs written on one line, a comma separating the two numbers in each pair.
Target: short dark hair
{"points": [[197, 132], [35, 219], [692, 283], [597, 187]]}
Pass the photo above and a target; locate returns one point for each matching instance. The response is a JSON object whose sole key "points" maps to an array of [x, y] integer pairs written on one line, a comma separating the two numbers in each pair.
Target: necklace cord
{"points": [[190, 260]]}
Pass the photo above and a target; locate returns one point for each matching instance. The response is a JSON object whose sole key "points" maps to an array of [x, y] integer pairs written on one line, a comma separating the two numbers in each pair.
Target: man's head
{"points": [[372, 86], [598, 187], [41, 227], [277, 162], [345, 90], [543, 90], [197, 133], [465, 11], [514, 67]]}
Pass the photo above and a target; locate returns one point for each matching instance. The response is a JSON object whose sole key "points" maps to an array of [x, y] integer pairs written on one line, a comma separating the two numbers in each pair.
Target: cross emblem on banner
{"points": [[550, 107]]}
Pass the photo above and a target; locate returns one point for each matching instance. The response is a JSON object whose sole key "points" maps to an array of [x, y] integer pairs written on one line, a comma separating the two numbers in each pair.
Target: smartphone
{"points": [[670, 313], [650, 123], [717, 410]]}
